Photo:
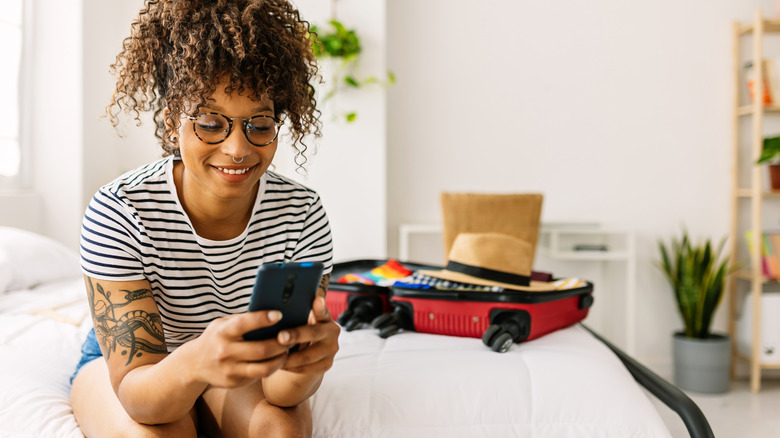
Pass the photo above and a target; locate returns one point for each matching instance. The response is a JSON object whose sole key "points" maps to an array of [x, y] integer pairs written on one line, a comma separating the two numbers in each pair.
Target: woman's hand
{"points": [[319, 342], [224, 359]]}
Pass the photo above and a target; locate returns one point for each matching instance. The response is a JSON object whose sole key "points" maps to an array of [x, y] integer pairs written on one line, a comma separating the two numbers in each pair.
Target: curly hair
{"points": [[178, 49]]}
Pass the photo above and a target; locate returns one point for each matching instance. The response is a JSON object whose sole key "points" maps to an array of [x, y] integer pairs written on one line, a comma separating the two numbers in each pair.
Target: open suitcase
{"points": [[392, 309], [499, 318]]}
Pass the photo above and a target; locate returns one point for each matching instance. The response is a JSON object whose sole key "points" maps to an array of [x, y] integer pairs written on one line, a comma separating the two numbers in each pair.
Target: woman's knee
{"points": [[244, 412], [292, 422], [100, 414], [127, 428], [185, 427]]}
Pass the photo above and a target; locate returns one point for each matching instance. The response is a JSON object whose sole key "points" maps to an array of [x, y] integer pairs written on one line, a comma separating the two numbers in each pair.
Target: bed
{"points": [[570, 383]]}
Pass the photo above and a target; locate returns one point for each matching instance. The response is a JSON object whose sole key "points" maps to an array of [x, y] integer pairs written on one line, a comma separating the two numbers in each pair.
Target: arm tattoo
{"points": [[133, 332], [324, 284]]}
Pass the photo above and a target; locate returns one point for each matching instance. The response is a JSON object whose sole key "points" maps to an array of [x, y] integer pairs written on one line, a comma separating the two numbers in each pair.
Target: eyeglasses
{"points": [[213, 128]]}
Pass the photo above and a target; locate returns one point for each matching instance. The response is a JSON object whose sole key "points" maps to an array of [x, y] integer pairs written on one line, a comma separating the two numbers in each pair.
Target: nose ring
{"points": [[238, 161]]}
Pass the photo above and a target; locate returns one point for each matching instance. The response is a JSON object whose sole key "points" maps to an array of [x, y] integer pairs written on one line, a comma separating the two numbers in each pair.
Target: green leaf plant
{"points": [[770, 153], [343, 44], [697, 274]]}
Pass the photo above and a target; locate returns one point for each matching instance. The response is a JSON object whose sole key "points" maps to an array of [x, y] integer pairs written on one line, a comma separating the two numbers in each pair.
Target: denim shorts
{"points": [[90, 351]]}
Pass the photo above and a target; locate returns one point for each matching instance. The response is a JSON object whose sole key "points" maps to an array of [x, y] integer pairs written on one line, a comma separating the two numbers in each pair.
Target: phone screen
{"points": [[287, 287]]}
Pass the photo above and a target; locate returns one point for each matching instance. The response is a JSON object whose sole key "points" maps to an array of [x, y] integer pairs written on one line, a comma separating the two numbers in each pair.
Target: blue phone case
{"points": [[287, 287]]}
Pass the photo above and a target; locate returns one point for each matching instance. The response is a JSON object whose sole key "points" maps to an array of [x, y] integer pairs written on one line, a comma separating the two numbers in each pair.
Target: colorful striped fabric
{"points": [[384, 275]]}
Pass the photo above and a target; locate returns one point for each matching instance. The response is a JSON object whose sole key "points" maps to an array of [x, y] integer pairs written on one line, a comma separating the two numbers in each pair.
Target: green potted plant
{"points": [[697, 274], [343, 46], [770, 155]]}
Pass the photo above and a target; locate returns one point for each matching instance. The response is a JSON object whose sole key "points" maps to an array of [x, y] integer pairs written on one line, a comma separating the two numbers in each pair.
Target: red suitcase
{"points": [[499, 318]]}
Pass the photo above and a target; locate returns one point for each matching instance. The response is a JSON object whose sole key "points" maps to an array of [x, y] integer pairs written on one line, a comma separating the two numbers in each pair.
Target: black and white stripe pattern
{"points": [[422, 281], [135, 228]]}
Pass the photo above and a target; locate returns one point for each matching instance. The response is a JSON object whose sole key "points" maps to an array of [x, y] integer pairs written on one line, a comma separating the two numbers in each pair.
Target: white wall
{"points": [[73, 44], [56, 108], [109, 152], [349, 169], [618, 112]]}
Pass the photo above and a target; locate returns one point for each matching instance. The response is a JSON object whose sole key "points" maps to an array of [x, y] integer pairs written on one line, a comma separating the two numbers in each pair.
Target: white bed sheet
{"points": [[37, 357], [566, 384]]}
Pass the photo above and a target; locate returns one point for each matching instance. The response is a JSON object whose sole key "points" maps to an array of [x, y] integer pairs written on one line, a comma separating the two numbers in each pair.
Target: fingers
{"points": [[321, 341], [251, 351], [235, 326], [320, 310], [318, 330], [225, 359], [241, 373], [256, 370]]}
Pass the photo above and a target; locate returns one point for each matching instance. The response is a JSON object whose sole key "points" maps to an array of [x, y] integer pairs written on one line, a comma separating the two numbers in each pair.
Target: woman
{"points": [[170, 250]]}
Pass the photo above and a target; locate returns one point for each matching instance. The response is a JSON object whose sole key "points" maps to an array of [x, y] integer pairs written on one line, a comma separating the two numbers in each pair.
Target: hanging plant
{"points": [[340, 43]]}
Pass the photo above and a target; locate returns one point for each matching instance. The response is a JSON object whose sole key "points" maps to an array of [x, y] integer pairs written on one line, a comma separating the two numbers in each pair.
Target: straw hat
{"points": [[491, 259]]}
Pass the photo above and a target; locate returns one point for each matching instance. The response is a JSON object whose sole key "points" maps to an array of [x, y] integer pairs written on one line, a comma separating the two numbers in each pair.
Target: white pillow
{"points": [[28, 260]]}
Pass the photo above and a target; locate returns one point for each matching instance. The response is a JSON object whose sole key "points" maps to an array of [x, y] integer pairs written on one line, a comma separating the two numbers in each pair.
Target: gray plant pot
{"points": [[702, 365]]}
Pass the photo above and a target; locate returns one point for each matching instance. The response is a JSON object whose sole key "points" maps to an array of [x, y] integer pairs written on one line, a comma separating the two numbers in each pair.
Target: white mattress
{"points": [[566, 384]]}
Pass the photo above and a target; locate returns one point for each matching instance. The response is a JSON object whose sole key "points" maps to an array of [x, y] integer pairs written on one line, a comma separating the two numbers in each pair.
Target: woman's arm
{"points": [[302, 374], [155, 387]]}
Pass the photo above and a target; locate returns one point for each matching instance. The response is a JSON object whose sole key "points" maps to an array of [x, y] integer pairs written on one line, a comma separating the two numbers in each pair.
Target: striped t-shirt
{"points": [[135, 228]]}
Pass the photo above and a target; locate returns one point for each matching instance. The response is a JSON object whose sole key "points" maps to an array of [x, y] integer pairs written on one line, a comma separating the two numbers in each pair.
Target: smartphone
{"points": [[287, 287]]}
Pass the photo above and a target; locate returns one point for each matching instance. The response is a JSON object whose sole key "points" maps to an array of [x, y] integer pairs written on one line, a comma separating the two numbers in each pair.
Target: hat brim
{"points": [[444, 274]]}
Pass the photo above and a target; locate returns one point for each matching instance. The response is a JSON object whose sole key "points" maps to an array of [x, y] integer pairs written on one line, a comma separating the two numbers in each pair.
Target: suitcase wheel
{"points": [[498, 338], [345, 316], [506, 327], [361, 310], [388, 331], [353, 324], [382, 321], [490, 334], [502, 343], [515, 322], [390, 324]]}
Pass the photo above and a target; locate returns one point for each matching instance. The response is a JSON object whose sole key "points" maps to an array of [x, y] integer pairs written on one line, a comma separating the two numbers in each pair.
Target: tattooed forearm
{"points": [[134, 332], [324, 284]]}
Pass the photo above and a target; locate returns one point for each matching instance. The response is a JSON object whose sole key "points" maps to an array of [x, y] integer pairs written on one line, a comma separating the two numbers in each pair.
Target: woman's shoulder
{"points": [[144, 178], [146, 185], [277, 183]]}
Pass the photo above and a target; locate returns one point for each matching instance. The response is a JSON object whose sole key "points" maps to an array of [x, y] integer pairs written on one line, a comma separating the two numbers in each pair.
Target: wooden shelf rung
{"points": [[770, 26], [746, 110], [746, 274], [763, 365], [748, 193]]}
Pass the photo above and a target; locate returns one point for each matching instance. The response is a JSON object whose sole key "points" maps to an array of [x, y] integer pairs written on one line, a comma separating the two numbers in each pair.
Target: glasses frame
{"points": [[244, 124]]}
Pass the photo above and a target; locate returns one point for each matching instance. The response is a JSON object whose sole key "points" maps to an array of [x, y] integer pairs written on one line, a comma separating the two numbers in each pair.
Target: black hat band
{"points": [[489, 274]]}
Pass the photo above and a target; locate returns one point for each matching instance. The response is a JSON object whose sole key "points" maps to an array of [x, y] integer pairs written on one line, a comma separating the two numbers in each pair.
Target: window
{"points": [[11, 91]]}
